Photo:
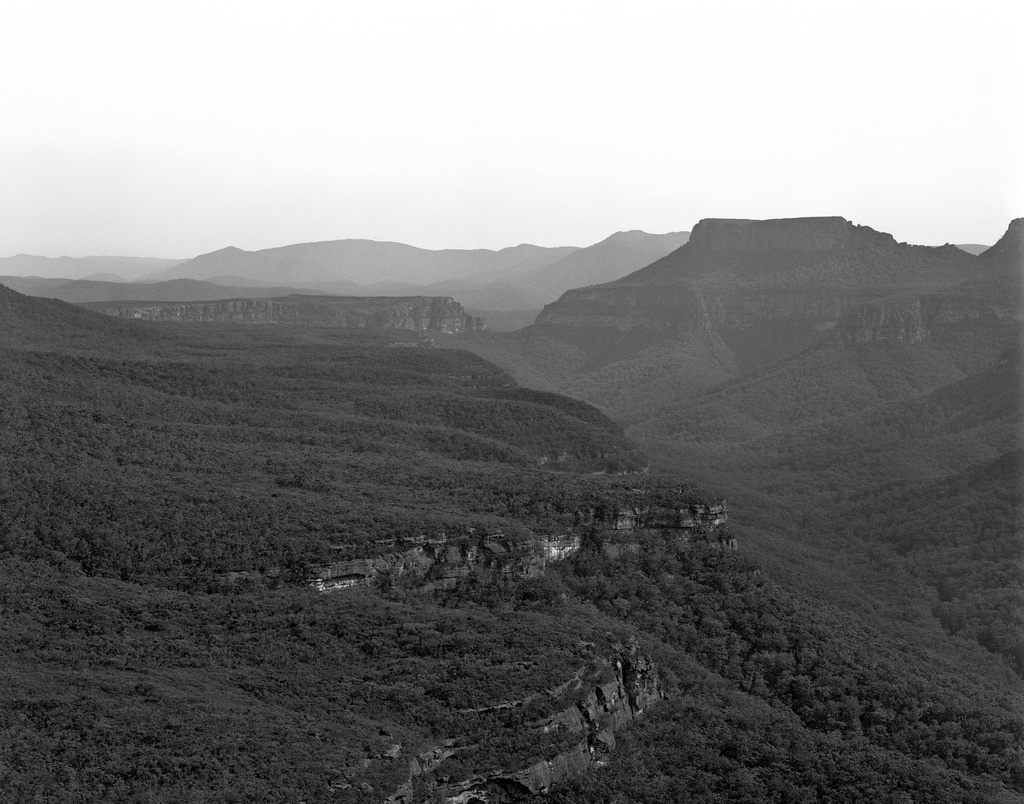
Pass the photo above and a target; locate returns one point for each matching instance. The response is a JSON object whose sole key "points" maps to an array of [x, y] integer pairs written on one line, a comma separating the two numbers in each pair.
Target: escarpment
{"points": [[433, 563], [442, 314], [983, 304], [613, 693]]}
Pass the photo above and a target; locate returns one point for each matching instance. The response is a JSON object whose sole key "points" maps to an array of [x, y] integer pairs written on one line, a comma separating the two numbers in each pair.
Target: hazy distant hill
{"points": [[80, 291], [525, 287], [518, 278], [361, 261], [972, 248], [521, 278], [612, 258], [82, 267]]}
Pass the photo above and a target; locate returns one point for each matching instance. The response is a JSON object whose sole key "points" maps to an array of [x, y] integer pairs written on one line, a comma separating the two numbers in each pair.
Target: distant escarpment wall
{"points": [[686, 307], [856, 317], [442, 314], [441, 562], [910, 320], [609, 696]]}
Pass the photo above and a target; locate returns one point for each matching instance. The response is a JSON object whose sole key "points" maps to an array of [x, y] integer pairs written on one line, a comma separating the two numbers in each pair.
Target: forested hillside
{"points": [[166, 489], [868, 430], [824, 377]]}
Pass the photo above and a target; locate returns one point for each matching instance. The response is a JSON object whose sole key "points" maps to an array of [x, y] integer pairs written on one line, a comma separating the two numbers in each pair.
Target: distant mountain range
{"points": [[103, 268], [523, 277], [85, 291]]}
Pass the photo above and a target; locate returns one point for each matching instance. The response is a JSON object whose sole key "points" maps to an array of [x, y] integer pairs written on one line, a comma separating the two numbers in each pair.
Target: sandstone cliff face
{"points": [[980, 304], [440, 563], [878, 323], [441, 314], [610, 697]]}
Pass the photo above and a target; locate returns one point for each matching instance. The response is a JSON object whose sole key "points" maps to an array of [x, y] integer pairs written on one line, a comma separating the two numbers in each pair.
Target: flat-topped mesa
{"points": [[790, 234], [732, 276]]}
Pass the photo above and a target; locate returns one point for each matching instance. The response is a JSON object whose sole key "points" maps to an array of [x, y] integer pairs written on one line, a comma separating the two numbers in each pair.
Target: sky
{"points": [[170, 129]]}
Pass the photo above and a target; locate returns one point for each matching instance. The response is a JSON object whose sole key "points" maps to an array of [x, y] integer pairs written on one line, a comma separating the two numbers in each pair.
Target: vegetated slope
{"points": [[29, 322], [800, 366], [819, 445], [267, 439], [141, 465]]}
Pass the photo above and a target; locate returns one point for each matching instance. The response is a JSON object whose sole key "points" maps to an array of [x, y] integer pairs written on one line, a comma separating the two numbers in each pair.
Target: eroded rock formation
{"points": [[441, 314], [610, 697], [440, 562]]}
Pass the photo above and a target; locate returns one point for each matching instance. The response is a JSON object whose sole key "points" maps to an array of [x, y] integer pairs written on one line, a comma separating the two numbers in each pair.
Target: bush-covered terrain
{"points": [[139, 464]]}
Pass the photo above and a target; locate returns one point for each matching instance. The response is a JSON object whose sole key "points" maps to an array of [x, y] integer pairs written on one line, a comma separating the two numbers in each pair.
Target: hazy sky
{"points": [[172, 128]]}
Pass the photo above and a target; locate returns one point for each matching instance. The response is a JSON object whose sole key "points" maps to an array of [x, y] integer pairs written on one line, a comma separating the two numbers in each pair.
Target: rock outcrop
{"points": [[609, 698], [441, 314], [981, 303], [441, 562], [881, 323]]}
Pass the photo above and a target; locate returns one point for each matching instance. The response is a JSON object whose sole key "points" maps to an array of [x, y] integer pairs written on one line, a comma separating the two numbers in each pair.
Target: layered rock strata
{"points": [[979, 304], [439, 563], [615, 694], [441, 314]]}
